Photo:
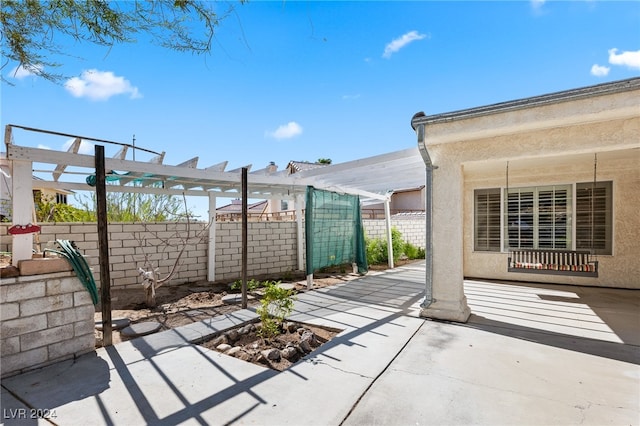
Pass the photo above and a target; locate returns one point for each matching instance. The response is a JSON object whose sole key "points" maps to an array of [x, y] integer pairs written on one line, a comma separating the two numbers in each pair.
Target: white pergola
{"points": [[373, 178]]}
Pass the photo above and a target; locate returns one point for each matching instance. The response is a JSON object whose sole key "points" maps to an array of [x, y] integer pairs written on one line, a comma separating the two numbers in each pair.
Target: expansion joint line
{"points": [[381, 373]]}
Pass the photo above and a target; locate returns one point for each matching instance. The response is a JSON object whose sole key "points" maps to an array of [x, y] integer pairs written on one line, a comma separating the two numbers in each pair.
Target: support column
{"points": [[387, 222], [299, 202], [22, 209], [211, 258], [449, 301]]}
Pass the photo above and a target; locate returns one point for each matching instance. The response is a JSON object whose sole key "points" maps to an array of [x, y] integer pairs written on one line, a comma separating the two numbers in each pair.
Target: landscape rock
{"points": [[243, 356], [232, 335], [290, 353], [233, 351], [271, 354], [222, 339], [305, 347], [223, 347], [309, 337], [291, 327]]}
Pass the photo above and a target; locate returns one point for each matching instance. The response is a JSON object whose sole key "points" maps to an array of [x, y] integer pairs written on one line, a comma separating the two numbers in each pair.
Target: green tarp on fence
{"points": [[334, 232]]}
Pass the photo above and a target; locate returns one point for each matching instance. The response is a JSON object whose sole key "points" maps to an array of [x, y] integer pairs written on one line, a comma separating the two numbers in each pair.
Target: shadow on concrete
{"points": [[600, 321], [137, 375], [42, 391], [617, 351]]}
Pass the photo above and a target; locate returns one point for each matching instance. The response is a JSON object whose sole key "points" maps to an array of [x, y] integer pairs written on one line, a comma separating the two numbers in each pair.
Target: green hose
{"points": [[80, 266]]}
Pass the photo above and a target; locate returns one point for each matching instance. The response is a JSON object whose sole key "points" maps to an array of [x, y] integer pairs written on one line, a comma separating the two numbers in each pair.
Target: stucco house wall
{"points": [[621, 268]]}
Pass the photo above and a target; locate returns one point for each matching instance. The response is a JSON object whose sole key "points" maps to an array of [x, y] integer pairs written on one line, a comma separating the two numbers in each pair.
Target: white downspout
{"points": [[422, 146]]}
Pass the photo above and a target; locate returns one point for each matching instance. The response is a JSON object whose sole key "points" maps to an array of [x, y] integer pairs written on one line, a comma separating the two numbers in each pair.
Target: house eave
{"points": [[532, 102]]}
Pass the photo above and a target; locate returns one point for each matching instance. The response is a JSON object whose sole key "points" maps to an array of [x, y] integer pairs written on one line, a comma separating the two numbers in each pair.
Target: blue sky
{"points": [[340, 80]]}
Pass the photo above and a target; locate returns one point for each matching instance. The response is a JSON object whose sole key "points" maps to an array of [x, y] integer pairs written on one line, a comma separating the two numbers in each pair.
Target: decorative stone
{"points": [[287, 286], [232, 335], [289, 353], [291, 327], [309, 337], [231, 299], [141, 329], [243, 356], [116, 323], [233, 351], [305, 346], [220, 340], [271, 354], [223, 347]]}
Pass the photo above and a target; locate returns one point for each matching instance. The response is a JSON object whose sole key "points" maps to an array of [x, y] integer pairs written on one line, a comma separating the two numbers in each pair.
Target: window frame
{"points": [[573, 222]]}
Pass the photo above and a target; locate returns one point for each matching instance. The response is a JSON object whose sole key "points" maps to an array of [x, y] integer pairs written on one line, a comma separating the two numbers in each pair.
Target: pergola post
{"points": [[387, 221], [22, 209], [211, 256], [300, 231]]}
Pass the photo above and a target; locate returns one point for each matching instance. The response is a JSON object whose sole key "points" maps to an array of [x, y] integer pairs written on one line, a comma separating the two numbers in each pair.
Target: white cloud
{"points": [[40, 146], [600, 70], [100, 86], [21, 72], [629, 58], [286, 131], [537, 4], [86, 147], [401, 42]]}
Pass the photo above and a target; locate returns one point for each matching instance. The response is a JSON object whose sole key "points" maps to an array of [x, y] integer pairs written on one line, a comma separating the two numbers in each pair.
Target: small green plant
{"points": [[252, 285], [275, 306]]}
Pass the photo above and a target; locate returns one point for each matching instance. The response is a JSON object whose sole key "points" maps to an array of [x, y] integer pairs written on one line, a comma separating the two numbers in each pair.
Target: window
{"points": [[538, 217], [487, 220], [61, 198], [543, 218], [593, 217]]}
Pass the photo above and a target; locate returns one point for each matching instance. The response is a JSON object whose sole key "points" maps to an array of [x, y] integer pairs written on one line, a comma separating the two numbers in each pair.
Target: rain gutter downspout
{"points": [[422, 146]]}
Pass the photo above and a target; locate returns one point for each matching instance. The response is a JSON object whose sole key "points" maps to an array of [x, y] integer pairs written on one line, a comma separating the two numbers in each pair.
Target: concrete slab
{"points": [[141, 329], [529, 355]]}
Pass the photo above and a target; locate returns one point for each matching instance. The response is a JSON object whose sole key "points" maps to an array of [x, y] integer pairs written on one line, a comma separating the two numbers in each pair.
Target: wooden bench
{"points": [[557, 262]]}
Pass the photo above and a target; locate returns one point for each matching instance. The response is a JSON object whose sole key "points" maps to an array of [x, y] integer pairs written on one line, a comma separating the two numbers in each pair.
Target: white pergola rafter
{"points": [[372, 178]]}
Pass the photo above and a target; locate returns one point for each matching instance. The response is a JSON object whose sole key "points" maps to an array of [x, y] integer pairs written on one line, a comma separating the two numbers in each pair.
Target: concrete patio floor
{"points": [[531, 354]]}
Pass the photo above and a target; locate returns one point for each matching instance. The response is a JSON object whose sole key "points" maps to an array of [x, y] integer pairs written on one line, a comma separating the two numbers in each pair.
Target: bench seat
{"points": [[559, 262]]}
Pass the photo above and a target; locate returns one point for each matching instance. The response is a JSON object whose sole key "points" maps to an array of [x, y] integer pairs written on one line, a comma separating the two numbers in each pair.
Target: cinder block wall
{"points": [[44, 319], [272, 247], [411, 227]]}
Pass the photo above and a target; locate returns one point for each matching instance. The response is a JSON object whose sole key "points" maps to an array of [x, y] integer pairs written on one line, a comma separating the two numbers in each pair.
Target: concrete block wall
{"points": [[272, 247], [129, 243], [43, 319], [411, 227]]}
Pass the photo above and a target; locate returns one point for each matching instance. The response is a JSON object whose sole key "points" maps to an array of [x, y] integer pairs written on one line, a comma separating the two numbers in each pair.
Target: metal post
{"points": [[103, 245], [244, 236]]}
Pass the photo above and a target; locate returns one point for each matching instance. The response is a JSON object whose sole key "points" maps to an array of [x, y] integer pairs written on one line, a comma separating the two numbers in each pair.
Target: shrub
{"points": [[377, 249], [275, 306]]}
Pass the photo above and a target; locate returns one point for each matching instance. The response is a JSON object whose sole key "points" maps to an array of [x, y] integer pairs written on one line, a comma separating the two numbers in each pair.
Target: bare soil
{"points": [[188, 303]]}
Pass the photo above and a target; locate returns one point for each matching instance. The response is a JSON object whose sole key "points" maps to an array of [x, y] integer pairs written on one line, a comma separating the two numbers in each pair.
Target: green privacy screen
{"points": [[334, 232]]}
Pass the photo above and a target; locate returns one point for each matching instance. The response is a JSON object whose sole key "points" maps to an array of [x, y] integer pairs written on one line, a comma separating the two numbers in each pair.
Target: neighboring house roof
{"points": [[236, 207], [299, 166], [57, 190]]}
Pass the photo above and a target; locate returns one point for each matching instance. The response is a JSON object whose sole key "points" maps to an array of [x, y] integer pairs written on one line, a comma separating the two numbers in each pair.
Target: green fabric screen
{"points": [[334, 232]]}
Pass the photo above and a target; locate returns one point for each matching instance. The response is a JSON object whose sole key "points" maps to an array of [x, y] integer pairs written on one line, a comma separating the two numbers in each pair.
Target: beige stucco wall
{"points": [[545, 140], [622, 268]]}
